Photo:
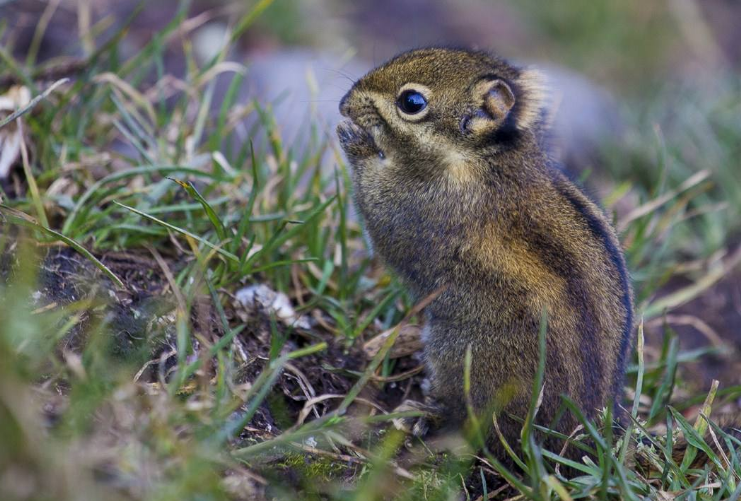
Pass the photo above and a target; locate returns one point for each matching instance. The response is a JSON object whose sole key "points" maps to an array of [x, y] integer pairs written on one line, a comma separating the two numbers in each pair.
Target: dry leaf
{"points": [[408, 342], [10, 136]]}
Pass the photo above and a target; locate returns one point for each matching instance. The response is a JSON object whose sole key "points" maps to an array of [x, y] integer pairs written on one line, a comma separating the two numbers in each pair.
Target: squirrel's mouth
{"points": [[356, 141]]}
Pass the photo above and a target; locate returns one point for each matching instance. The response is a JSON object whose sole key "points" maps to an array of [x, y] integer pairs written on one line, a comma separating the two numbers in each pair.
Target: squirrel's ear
{"points": [[497, 99]]}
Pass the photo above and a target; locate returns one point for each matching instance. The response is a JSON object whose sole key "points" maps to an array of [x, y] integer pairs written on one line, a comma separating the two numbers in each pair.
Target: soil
{"points": [[139, 319]]}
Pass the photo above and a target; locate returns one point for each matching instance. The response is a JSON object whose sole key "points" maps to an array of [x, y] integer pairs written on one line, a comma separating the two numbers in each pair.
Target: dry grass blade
{"points": [[136, 96], [566, 445], [494, 494], [698, 324], [388, 343], [407, 343], [690, 292], [399, 377], [18, 217], [718, 447], [311, 403], [506, 445], [31, 105], [169, 276], [651, 206], [176, 229]]}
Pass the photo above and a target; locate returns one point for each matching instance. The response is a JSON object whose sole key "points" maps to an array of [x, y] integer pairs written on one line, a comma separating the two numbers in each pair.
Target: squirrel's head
{"points": [[437, 108]]}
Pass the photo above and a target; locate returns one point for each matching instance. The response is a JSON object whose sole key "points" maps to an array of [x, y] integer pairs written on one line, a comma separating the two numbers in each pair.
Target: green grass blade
{"points": [[125, 174], [212, 216], [174, 228], [21, 219], [279, 239]]}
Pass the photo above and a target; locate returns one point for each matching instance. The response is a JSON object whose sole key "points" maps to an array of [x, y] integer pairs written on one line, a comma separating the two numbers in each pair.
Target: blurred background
{"points": [[306, 53]]}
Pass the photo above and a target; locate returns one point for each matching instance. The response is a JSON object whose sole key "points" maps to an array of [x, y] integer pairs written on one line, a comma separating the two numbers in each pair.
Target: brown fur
{"points": [[462, 197]]}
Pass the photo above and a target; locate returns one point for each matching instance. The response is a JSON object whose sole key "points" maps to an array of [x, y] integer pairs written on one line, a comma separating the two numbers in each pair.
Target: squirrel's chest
{"points": [[402, 226], [418, 240]]}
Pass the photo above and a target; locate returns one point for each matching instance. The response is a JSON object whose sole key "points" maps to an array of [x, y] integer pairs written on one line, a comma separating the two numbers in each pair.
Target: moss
{"points": [[316, 468]]}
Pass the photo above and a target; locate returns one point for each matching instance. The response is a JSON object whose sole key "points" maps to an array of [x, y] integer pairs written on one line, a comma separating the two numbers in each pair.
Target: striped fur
{"points": [[479, 212]]}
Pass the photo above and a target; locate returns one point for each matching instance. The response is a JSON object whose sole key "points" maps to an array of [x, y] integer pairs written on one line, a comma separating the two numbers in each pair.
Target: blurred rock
{"points": [[306, 84], [303, 84], [209, 40], [585, 118], [264, 299]]}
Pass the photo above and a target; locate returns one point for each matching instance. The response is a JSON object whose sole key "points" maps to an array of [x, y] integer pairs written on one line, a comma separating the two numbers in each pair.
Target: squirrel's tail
{"points": [[650, 460]]}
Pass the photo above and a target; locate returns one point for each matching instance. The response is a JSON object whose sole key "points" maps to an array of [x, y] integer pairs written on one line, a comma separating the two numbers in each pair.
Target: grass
{"points": [[205, 399]]}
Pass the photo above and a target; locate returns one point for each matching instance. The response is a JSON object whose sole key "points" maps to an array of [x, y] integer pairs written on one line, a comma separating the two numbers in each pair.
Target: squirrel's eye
{"points": [[411, 102]]}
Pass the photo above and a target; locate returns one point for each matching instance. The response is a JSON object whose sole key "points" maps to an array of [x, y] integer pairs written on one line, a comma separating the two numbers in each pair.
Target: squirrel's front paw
{"points": [[357, 142], [427, 416]]}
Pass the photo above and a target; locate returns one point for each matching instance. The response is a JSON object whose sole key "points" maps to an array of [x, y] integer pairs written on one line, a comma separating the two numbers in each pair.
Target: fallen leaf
{"points": [[408, 342], [11, 136]]}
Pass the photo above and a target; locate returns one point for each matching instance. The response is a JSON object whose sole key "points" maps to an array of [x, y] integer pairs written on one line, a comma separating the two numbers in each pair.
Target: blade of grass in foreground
{"points": [[278, 239], [694, 440], [25, 109], [22, 219], [212, 216], [636, 399], [259, 391], [381, 355], [355, 390], [124, 174], [701, 425], [176, 229]]}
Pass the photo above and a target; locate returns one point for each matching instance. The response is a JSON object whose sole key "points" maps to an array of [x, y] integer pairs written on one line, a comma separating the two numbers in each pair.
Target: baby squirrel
{"points": [[458, 195], [460, 198]]}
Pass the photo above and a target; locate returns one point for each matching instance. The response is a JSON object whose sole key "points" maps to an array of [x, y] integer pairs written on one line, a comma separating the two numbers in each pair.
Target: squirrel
{"points": [[459, 197]]}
